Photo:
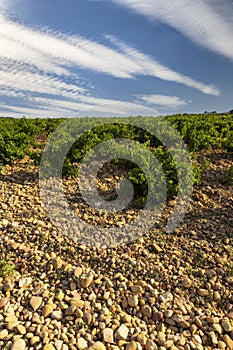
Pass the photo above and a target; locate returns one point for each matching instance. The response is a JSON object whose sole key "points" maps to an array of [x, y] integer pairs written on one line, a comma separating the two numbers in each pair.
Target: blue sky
{"points": [[115, 57]]}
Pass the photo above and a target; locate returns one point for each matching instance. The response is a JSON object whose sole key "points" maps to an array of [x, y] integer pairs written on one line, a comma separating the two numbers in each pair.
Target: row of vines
{"points": [[20, 137]]}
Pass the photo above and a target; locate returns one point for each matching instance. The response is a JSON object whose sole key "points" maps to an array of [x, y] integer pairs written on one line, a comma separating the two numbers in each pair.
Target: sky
{"points": [[115, 57]]}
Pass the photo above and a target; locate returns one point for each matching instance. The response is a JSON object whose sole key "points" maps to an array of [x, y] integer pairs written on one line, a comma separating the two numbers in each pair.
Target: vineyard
{"points": [[17, 136], [27, 137]]}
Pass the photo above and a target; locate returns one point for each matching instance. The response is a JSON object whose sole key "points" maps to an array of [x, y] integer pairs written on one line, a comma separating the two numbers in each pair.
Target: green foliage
{"points": [[230, 173], [14, 142], [201, 131], [111, 131], [204, 164], [6, 267], [1, 168], [20, 137], [230, 265], [17, 136]]}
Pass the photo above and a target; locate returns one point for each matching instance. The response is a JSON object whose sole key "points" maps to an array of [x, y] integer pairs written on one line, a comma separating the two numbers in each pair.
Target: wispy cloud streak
{"points": [[165, 101], [40, 63], [93, 106], [56, 53], [206, 22], [148, 66]]}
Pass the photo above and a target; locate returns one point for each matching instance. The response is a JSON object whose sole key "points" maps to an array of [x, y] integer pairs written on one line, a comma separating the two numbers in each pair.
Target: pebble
{"points": [[58, 344], [141, 338], [221, 344], [157, 248], [98, 346], [8, 286], [228, 341], [168, 344], [213, 338], [217, 296], [3, 302], [158, 316], [21, 329], [186, 282], [86, 280], [166, 297], [34, 340], [202, 292], [82, 343], [133, 300], [181, 321], [47, 310], [136, 288], [70, 310], [108, 335], [161, 337], [3, 334], [25, 281], [57, 263], [131, 346], [87, 317], [36, 302], [78, 271], [18, 344], [122, 332], [217, 328], [226, 325], [60, 295], [57, 315], [49, 346], [150, 345], [147, 311], [11, 319]]}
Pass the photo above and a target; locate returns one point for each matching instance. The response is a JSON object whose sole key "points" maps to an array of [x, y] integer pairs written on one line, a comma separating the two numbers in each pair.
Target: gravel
{"points": [[161, 291]]}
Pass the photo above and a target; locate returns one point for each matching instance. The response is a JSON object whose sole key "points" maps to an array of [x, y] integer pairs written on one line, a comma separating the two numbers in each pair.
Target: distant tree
{"points": [[231, 111]]}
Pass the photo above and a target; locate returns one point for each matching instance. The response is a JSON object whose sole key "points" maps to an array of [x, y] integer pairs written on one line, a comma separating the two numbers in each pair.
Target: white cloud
{"points": [[91, 104], [36, 83], [63, 108], [163, 100], [51, 52], [16, 110], [5, 5], [148, 66], [206, 22], [41, 62], [56, 53]]}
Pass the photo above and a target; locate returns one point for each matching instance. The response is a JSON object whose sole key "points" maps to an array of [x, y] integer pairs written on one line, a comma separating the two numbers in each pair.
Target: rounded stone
{"points": [[49, 346], [19, 344], [131, 346], [98, 345], [47, 310], [133, 300]]}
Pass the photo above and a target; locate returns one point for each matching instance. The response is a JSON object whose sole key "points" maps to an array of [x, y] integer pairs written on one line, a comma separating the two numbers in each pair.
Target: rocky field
{"points": [[163, 291]]}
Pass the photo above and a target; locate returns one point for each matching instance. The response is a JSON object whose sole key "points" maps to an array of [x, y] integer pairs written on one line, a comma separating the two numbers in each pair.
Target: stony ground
{"points": [[163, 291]]}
